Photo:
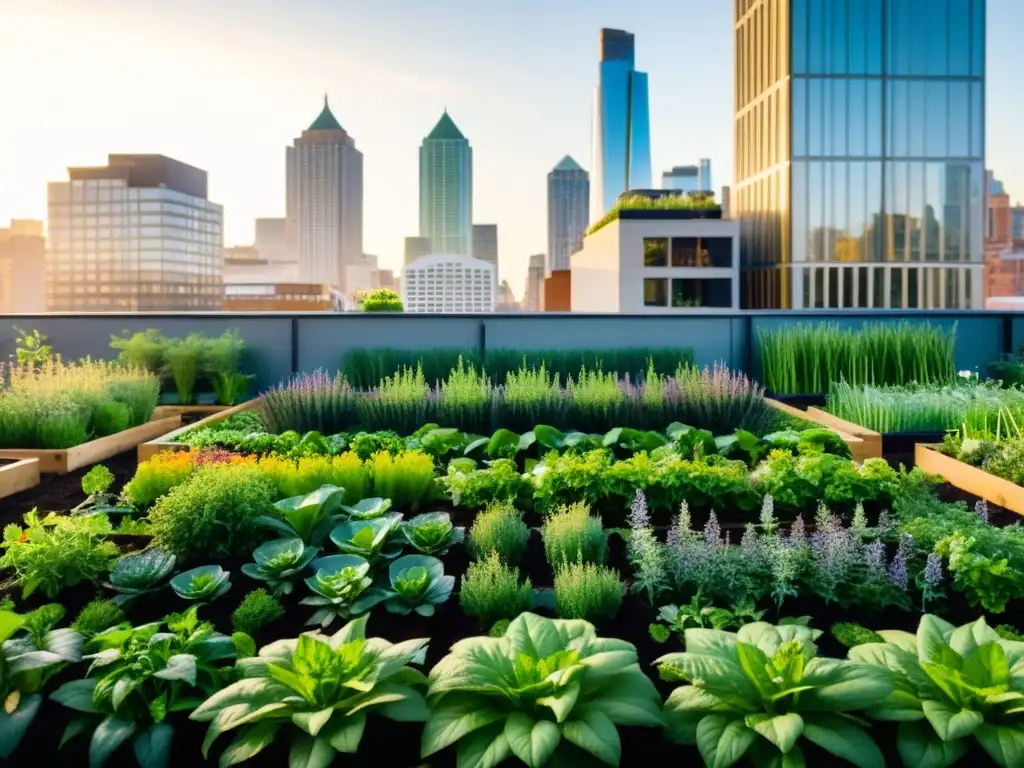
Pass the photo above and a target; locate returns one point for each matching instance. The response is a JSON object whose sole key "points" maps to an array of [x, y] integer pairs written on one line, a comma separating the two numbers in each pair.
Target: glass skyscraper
{"points": [[859, 145], [621, 141], [446, 190], [568, 212]]}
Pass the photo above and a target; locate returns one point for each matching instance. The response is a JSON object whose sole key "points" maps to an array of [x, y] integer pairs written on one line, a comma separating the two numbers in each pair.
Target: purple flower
{"points": [[874, 557], [981, 509], [712, 531], [797, 532], [933, 569], [674, 539], [638, 516], [898, 570]]}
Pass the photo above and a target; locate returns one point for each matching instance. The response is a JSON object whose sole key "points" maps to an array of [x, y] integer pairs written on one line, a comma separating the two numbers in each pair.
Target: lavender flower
{"points": [[713, 531], [750, 547], [898, 570], [933, 569], [768, 513], [981, 509], [884, 522], [638, 515], [874, 557], [673, 539], [797, 532]]}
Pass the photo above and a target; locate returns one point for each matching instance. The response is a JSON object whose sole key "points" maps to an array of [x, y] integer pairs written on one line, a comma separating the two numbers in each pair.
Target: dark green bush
{"points": [[257, 610]]}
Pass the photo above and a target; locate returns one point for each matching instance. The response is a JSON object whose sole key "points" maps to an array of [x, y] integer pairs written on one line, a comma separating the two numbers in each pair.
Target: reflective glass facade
{"points": [[860, 142], [621, 131]]}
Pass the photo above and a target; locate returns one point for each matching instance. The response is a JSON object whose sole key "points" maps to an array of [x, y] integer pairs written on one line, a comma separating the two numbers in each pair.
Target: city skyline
{"points": [[230, 107]]}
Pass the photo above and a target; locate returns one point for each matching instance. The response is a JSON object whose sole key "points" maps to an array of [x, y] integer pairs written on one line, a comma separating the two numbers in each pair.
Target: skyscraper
{"points": [[446, 190], [682, 178], [415, 247], [325, 201], [533, 295], [860, 140], [485, 244], [568, 211], [621, 141], [135, 235]]}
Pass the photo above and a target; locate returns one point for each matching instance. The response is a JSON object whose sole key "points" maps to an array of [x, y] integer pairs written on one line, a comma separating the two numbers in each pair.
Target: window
{"points": [[655, 251], [687, 252], [701, 292], [655, 291]]}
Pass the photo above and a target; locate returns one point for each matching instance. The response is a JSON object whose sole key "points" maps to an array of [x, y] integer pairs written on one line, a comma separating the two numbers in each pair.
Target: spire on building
{"points": [[326, 121], [445, 128]]}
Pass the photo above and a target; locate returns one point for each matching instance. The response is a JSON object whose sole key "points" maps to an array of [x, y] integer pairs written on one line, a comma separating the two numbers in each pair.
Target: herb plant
{"points": [[257, 609], [140, 675], [499, 528], [573, 535], [549, 689], [97, 616], [587, 591], [203, 584], [280, 563], [320, 690], [757, 692], [491, 590]]}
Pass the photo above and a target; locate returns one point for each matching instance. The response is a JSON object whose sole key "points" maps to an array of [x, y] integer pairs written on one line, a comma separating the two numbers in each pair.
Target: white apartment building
{"points": [[441, 283], [649, 262]]}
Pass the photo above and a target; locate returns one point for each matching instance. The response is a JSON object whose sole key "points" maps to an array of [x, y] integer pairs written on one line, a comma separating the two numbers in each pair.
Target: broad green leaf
{"points": [[781, 730], [33, 660], [951, 723], [539, 637], [532, 741], [396, 702], [946, 681], [122, 688], [14, 725], [77, 695], [685, 708], [181, 666], [753, 662], [253, 692], [153, 746], [723, 678], [906, 641], [484, 748], [968, 638], [561, 702], [594, 732], [986, 666], [108, 736], [1005, 745], [9, 624], [920, 747], [345, 733], [455, 716], [249, 743], [723, 740], [843, 686], [712, 642], [843, 738], [933, 634], [630, 699], [312, 722], [310, 752]]}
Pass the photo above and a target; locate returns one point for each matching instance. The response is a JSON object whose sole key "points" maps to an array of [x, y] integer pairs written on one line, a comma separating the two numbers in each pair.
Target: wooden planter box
{"points": [[19, 476], [164, 411], [62, 461], [167, 441], [860, 448], [872, 439], [971, 479]]}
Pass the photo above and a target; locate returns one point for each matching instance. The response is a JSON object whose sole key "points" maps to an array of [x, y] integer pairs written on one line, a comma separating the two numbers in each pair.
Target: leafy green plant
{"points": [[418, 583], [97, 616], [491, 590], [223, 356], [140, 573], [56, 552], [309, 517], [700, 614], [214, 514], [280, 563], [33, 652], [98, 499], [143, 349], [339, 587], [573, 535], [587, 591], [548, 690], [320, 689], [367, 509], [850, 635], [952, 683], [407, 479], [257, 609], [499, 528], [382, 300], [184, 360], [203, 584], [432, 533], [140, 675], [473, 488], [757, 692], [310, 401], [370, 539], [31, 348]]}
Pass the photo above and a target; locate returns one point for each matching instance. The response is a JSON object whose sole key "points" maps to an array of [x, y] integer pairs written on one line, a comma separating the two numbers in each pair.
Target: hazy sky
{"points": [[226, 84]]}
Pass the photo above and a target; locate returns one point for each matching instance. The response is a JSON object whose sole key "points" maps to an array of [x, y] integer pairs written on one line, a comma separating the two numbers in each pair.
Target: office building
{"points": [[689, 178], [446, 190], [272, 240], [859, 152], [1017, 221], [137, 234], [324, 208], [621, 140], [669, 261], [533, 295], [415, 247], [485, 244], [442, 283], [22, 267], [568, 211], [726, 202]]}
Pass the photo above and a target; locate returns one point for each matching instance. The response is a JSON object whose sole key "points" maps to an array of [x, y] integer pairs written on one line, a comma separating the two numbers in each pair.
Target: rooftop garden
{"points": [[559, 562], [666, 203]]}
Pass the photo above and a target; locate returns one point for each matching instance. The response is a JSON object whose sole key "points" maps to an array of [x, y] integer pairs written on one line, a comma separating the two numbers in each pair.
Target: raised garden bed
{"points": [[17, 476], [164, 411], [62, 461], [971, 479], [860, 447], [166, 440]]}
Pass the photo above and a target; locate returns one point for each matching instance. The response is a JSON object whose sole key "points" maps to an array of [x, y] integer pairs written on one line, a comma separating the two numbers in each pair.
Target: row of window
{"points": [[688, 251], [688, 292]]}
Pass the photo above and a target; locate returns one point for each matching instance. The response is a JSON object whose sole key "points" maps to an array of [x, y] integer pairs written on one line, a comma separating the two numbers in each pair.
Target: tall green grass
{"points": [[365, 367], [807, 359]]}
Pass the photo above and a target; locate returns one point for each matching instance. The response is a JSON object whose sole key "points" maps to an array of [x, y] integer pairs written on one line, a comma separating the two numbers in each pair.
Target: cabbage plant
{"points": [[544, 691], [140, 573], [280, 563], [432, 533], [339, 588], [757, 692], [367, 509], [31, 656], [207, 582], [418, 583], [954, 686], [309, 517], [371, 539], [317, 691]]}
